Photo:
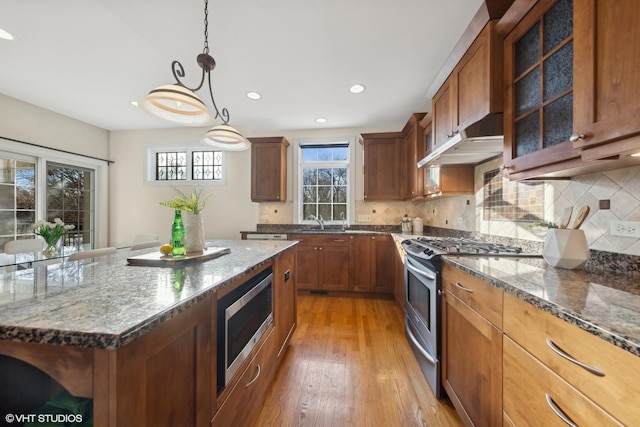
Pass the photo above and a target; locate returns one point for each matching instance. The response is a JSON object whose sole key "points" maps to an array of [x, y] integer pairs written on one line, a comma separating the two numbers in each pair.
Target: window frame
{"points": [[349, 164], [150, 166], [43, 156]]}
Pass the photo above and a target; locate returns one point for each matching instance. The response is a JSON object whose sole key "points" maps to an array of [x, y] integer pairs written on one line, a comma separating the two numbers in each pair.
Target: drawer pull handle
{"points": [[561, 353], [339, 240], [255, 378], [559, 412], [459, 286]]}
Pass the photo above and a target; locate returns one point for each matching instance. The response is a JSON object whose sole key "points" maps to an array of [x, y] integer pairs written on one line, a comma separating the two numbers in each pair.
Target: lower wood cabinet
{"points": [[284, 294], [603, 374], [322, 262], [472, 347], [245, 400], [371, 263], [535, 395], [163, 377]]}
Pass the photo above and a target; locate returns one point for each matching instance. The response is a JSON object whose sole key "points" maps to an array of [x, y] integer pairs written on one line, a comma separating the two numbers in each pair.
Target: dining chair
{"points": [[144, 245], [23, 246], [92, 253]]}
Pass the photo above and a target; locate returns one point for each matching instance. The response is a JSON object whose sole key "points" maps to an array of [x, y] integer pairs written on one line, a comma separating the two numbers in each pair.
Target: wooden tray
{"points": [[156, 259]]}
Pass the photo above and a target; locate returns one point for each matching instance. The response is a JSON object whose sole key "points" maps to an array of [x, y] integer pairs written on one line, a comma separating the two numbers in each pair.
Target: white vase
{"points": [[566, 248], [193, 232]]}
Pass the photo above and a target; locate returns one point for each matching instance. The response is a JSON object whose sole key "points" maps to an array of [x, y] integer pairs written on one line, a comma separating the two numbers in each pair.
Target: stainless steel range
{"points": [[423, 293]]}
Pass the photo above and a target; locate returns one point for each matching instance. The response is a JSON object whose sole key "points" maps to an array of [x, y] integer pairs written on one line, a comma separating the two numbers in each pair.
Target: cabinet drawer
{"points": [[530, 389], [616, 391], [477, 294], [316, 240], [245, 400]]}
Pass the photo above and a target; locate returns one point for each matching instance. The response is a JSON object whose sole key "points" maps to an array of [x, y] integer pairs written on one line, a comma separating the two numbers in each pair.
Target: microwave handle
{"points": [[420, 272], [416, 343]]}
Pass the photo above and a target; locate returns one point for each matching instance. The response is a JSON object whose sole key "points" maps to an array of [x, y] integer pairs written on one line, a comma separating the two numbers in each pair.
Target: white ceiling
{"points": [[88, 58]]}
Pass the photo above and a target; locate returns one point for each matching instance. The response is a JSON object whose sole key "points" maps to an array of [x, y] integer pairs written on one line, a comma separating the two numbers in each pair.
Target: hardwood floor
{"points": [[349, 364]]}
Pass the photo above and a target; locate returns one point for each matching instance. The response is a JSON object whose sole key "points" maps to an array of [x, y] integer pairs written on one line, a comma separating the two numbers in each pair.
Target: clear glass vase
{"points": [[53, 249]]}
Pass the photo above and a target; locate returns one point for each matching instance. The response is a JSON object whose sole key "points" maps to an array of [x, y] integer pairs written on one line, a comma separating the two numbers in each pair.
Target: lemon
{"points": [[166, 249]]}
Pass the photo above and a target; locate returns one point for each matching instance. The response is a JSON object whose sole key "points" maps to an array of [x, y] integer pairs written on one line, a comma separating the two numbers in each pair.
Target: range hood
{"points": [[478, 142]]}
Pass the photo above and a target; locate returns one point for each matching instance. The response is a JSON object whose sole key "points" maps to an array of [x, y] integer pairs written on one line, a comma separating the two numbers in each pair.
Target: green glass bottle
{"points": [[177, 235]]}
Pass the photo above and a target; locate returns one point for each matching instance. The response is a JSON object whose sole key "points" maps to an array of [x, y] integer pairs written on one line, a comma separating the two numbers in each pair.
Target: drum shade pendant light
{"points": [[180, 104]]}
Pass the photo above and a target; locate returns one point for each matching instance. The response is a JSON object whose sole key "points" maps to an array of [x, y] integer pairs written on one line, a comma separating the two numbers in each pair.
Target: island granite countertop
{"points": [[604, 304], [105, 303]]}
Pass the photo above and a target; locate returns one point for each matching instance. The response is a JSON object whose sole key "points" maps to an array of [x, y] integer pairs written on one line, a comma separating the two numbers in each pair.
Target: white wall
{"points": [[134, 204], [29, 123]]}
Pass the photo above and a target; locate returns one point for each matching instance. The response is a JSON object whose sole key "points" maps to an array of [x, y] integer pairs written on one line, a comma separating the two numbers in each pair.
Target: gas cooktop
{"points": [[429, 247]]}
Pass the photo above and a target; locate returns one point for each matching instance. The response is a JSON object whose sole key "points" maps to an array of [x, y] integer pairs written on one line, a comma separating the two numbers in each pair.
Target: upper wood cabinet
{"points": [[606, 74], [411, 152], [571, 79], [473, 90], [539, 91], [382, 166], [448, 180], [269, 169]]}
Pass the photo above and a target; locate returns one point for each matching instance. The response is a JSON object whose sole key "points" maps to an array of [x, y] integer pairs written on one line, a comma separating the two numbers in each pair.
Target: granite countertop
{"points": [[604, 304], [105, 303]]}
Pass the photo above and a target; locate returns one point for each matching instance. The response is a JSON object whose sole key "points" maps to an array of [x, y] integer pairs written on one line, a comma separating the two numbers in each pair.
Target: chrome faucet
{"points": [[319, 219]]}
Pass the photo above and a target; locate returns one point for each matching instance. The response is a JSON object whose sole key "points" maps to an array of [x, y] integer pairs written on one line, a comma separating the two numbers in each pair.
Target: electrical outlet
{"points": [[264, 218], [625, 228], [460, 220], [364, 218]]}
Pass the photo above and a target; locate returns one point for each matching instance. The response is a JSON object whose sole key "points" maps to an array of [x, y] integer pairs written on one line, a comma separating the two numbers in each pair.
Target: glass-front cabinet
{"points": [[539, 97]]}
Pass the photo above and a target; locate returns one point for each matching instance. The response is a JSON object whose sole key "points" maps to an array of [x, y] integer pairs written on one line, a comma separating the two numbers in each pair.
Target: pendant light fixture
{"points": [[180, 104]]}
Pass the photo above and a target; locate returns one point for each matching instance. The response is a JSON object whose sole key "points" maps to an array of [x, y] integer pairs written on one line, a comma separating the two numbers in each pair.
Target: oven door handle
{"points": [[416, 343], [417, 271]]}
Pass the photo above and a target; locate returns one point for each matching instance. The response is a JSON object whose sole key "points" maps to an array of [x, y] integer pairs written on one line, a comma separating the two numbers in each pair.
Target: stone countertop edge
{"points": [[590, 325], [110, 341]]}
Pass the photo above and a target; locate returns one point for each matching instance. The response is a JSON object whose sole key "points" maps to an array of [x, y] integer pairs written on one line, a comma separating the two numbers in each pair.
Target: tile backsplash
{"points": [[467, 213], [620, 187]]}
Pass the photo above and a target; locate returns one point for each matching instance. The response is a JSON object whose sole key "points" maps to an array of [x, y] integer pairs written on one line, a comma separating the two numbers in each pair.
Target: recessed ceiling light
{"points": [[635, 154], [357, 88], [6, 35], [321, 120], [254, 95], [134, 103]]}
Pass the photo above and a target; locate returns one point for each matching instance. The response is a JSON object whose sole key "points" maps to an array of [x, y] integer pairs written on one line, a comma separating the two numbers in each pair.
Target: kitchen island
{"points": [[140, 341]]}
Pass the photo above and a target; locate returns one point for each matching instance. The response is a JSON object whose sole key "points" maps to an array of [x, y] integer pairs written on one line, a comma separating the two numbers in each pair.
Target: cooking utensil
{"points": [[581, 216], [566, 218]]}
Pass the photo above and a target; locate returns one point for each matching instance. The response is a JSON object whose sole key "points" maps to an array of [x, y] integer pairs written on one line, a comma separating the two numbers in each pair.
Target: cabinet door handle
{"points": [[255, 378], [576, 137], [561, 353], [459, 286], [559, 412], [339, 240], [319, 249]]}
